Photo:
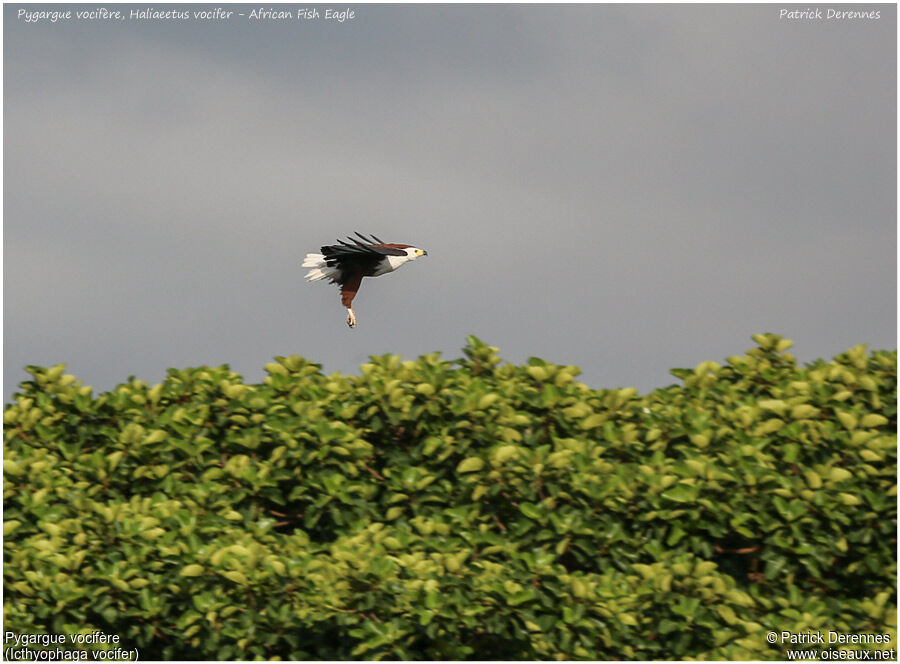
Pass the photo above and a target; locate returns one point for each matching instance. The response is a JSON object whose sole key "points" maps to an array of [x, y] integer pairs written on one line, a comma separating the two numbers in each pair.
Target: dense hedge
{"points": [[456, 509]]}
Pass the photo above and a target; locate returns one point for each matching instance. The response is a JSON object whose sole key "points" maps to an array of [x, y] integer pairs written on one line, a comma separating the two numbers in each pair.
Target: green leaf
{"points": [[191, 570], [505, 453], [236, 577], [849, 420], [152, 533], [593, 421], [425, 389], [839, 474], [470, 465], [681, 493], [727, 613], [873, 420]]}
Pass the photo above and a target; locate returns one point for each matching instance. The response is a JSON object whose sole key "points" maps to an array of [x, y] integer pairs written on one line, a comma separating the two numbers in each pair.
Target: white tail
{"points": [[320, 269]]}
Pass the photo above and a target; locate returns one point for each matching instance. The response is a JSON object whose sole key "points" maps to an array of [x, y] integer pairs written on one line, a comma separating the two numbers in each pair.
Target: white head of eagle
{"points": [[346, 263]]}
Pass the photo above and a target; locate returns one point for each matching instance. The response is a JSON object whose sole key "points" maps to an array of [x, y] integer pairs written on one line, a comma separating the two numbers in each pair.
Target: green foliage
{"points": [[456, 509]]}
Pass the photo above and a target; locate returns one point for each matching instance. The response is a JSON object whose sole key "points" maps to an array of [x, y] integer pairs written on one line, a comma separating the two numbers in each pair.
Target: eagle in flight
{"points": [[346, 263]]}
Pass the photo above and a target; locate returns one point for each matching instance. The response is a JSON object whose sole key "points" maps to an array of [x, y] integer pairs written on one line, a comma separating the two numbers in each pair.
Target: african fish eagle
{"points": [[346, 263]]}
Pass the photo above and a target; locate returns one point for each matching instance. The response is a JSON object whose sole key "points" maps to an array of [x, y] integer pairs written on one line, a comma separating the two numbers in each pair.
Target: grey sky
{"points": [[624, 188]]}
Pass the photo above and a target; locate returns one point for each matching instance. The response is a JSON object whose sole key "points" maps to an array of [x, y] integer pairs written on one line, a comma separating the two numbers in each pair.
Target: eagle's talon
{"points": [[351, 318]]}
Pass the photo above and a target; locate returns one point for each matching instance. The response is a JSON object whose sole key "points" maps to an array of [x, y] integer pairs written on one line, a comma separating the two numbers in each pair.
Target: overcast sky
{"points": [[623, 188]]}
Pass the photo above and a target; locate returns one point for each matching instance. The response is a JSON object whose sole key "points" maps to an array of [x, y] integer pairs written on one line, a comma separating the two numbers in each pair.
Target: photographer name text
{"points": [[828, 15]]}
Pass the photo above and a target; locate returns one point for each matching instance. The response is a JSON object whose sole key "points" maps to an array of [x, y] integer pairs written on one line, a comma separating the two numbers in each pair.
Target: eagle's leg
{"points": [[349, 286]]}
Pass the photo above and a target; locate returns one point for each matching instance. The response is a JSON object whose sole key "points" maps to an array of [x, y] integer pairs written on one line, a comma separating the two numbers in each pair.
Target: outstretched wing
{"points": [[371, 248]]}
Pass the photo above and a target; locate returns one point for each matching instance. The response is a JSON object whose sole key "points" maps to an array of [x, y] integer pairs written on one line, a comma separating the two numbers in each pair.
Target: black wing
{"points": [[373, 247]]}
